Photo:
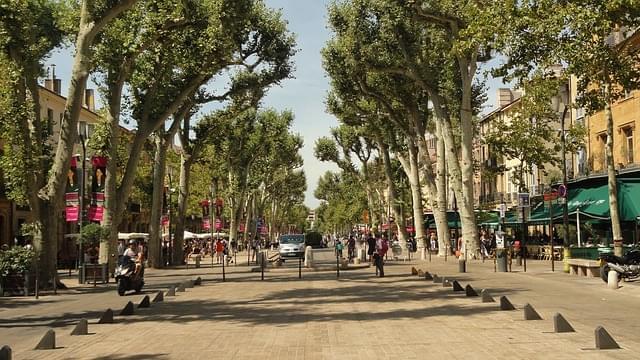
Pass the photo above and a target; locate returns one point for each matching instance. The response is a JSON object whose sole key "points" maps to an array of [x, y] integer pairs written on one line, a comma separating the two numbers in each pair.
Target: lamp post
{"points": [[83, 142], [171, 252], [562, 99]]}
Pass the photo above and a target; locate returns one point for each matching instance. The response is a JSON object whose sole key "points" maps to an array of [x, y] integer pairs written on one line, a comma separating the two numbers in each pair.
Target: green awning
{"points": [[593, 202]]}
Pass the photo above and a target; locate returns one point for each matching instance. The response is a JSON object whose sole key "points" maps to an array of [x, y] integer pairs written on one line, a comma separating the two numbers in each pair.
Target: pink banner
{"points": [[164, 220], [218, 224], [206, 224], [71, 213], [96, 213]]}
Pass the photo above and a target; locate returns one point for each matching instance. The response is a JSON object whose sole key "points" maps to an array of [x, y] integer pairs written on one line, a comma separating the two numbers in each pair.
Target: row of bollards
{"points": [[603, 340], [48, 341]]}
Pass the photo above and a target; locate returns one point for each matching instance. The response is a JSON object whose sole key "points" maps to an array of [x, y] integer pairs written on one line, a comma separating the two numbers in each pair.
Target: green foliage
{"points": [[16, 260], [92, 234], [343, 201], [529, 136]]}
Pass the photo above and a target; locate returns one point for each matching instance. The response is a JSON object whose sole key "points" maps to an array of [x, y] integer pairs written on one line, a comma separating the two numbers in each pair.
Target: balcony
{"points": [[492, 198]]}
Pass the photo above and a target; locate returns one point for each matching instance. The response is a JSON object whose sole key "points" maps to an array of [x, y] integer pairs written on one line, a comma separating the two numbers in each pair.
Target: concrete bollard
{"points": [[437, 279], [612, 279], [486, 296], [5, 353], [420, 273], [308, 257], [462, 265], [456, 286], [428, 276], [197, 261], [159, 297], [414, 271], [127, 310], [188, 284], [530, 313], [505, 304], [107, 317], [145, 303], [197, 281], [446, 283], [362, 255], [82, 328], [561, 325], [172, 291], [181, 287], [470, 291], [48, 341], [604, 341]]}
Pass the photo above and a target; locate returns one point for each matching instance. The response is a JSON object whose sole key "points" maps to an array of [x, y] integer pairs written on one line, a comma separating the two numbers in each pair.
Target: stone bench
{"points": [[584, 267]]}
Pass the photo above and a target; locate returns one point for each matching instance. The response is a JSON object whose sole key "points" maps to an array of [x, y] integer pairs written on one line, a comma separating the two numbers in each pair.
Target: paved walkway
{"points": [[357, 317]]}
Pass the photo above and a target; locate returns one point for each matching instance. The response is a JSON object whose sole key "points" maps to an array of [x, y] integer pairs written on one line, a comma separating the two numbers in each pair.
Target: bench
{"points": [[584, 267], [98, 273]]}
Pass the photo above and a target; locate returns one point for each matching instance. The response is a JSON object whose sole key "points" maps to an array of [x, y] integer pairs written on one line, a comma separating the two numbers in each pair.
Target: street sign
{"points": [[503, 210], [500, 239], [562, 190], [523, 200]]}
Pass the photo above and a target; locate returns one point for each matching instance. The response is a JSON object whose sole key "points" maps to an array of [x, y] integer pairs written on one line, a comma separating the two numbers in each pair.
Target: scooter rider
{"points": [[133, 255]]}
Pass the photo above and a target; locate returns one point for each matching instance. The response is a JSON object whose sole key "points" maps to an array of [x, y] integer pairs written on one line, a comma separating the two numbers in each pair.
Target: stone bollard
{"points": [[612, 279], [107, 317], [5, 353], [308, 257], [48, 341], [82, 328], [604, 341], [462, 265], [362, 255]]}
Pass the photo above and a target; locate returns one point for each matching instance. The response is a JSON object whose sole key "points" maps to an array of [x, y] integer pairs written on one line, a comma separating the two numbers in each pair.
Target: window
{"points": [[628, 141], [603, 147], [50, 121], [580, 116]]}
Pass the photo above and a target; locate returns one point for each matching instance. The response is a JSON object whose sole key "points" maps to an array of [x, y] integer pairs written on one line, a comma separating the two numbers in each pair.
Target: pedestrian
{"points": [[382, 246], [433, 240], [371, 246], [351, 245], [219, 251], [254, 248], [339, 248]]}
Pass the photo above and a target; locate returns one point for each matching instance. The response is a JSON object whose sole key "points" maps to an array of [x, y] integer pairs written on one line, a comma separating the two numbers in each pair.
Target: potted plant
{"points": [[15, 265]]}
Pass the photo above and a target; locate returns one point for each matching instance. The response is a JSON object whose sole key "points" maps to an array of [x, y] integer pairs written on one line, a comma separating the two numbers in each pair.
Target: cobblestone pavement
{"points": [[358, 316]]}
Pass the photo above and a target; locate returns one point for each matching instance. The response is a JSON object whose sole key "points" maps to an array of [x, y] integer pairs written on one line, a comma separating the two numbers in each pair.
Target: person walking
{"points": [[219, 251], [351, 246], [371, 246], [382, 246]]}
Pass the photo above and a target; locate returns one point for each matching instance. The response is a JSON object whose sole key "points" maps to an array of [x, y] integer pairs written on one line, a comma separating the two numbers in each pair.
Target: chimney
{"points": [[505, 97], [48, 84], [89, 100], [57, 86], [53, 84]]}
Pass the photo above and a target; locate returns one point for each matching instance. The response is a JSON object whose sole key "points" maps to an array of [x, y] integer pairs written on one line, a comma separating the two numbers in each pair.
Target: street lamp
{"points": [[83, 142], [561, 100]]}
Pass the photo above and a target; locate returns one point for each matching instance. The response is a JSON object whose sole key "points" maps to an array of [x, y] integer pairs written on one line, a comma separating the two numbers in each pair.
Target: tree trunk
{"points": [[391, 186], [111, 218], [612, 181], [183, 196], [373, 218], [159, 168], [440, 208], [467, 214], [412, 170]]}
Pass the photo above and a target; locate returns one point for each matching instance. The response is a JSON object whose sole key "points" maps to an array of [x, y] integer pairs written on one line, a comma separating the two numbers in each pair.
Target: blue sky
{"points": [[304, 94]]}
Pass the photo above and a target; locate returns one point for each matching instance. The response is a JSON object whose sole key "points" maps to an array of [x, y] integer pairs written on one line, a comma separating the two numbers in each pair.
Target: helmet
{"points": [[132, 242]]}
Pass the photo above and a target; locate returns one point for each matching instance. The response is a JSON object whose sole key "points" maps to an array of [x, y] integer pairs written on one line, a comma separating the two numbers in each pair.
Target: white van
{"points": [[291, 246]]}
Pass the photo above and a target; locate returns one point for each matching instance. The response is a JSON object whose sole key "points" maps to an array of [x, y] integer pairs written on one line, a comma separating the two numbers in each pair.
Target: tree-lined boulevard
{"points": [[185, 164]]}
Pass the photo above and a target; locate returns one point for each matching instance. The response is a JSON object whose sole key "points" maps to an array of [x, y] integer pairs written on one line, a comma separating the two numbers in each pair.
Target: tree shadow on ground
{"points": [[132, 357]]}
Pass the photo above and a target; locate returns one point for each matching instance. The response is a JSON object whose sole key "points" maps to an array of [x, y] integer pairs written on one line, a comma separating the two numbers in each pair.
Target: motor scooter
{"points": [[126, 276]]}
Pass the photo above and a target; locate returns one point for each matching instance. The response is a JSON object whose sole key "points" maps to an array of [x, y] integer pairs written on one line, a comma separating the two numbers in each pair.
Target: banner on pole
{"points": [[96, 209], [72, 194]]}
